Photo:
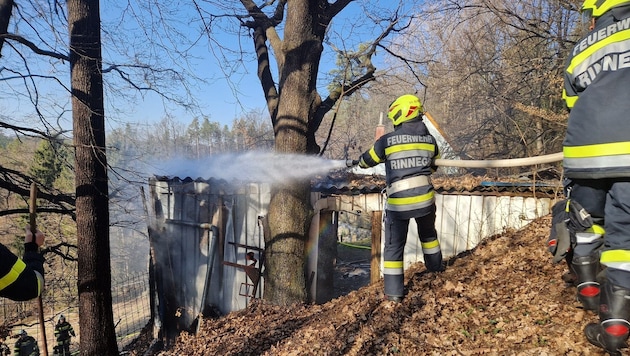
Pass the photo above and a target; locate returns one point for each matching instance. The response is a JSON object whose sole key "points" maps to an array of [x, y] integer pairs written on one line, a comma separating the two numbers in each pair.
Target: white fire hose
{"points": [[500, 163], [491, 163]]}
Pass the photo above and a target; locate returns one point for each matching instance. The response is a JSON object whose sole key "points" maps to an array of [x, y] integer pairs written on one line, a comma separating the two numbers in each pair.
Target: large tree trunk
{"points": [[290, 210], [6, 8], [94, 272]]}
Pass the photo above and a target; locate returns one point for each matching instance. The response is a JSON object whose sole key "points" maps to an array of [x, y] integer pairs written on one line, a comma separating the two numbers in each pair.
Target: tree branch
{"points": [[23, 130], [264, 30], [19, 183], [33, 47], [336, 7], [347, 89]]}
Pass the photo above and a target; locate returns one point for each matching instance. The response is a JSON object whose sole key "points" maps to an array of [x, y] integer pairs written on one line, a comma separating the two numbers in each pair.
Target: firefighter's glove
{"points": [[559, 243], [568, 217], [351, 162]]}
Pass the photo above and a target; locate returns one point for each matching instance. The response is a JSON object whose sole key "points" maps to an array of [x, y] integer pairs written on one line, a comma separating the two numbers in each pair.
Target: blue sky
{"points": [[218, 96], [124, 25]]}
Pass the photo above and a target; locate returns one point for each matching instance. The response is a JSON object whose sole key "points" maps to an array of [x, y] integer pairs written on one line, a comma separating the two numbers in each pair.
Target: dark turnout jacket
{"points": [[597, 92], [26, 346], [409, 154], [63, 332], [21, 279]]}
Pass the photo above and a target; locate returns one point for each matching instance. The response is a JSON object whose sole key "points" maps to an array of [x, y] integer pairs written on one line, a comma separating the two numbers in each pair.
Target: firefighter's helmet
{"points": [[404, 108], [596, 8], [62, 318]]}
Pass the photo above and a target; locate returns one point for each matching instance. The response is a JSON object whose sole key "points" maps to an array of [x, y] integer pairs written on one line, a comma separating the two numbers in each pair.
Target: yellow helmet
{"points": [[405, 108], [596, 8]]}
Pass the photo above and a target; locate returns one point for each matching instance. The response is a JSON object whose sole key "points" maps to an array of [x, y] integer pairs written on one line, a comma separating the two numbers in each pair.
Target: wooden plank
{"points": [[375, 258]]}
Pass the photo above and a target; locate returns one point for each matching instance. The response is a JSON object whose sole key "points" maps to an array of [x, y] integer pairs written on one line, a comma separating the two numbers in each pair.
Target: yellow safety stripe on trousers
{"points": [[411, 200], [619, 259], [409, 147], [582, 56], [13, 274], [430, 247], [570, 100], [393, 267], [597, 150]]}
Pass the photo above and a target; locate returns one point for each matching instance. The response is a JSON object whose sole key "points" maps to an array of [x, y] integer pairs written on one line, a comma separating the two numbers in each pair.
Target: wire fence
{"points": [[130, 304]]}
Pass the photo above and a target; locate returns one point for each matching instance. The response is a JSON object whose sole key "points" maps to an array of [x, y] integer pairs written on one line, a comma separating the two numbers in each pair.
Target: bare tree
{"points": [[493, 72], [296, 111], [94, 270]]}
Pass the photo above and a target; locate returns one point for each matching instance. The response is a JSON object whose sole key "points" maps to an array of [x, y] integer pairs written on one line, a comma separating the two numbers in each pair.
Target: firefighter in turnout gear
{"points": [[22, 279], [63, 333], [409, 154], [26, 345], [597, 164]]}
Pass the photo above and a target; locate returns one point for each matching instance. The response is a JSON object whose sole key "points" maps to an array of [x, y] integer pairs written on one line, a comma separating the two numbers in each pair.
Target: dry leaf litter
{"points": [[505, 297]]}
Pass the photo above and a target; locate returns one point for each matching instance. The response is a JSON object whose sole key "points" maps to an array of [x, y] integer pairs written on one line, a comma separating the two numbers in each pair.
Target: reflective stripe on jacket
{"points": [[21, 279]]}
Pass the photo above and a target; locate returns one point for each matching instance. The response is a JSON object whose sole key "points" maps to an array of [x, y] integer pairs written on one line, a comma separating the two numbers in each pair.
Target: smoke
{"points": [[260, 167], [190, 272]]}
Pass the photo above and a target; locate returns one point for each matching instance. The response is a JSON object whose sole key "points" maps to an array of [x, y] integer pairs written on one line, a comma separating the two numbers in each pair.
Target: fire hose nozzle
{"points": [[351, 162]]}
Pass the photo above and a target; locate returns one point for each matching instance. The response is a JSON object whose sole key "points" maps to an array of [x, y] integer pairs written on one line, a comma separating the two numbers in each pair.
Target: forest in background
{"points": [[131, 152]]}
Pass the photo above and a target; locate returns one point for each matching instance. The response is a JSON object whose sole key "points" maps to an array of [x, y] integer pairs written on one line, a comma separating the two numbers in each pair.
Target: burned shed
{"points": [[207, 235], [207, 247]]}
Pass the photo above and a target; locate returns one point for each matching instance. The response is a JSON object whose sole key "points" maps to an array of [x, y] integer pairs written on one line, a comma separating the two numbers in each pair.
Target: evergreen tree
{"points": [[48, 162]]}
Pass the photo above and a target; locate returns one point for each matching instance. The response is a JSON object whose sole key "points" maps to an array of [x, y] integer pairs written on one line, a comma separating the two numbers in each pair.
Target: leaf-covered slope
{"points": [[503, 298]]}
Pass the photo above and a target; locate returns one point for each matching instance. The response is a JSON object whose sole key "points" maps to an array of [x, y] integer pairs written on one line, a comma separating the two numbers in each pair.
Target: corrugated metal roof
{"points": [[212, 185], [344, 182], [347, 183]]}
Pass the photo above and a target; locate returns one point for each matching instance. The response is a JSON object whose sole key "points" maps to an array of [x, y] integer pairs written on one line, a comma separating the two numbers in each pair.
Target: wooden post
{"points": [[375, 264], [33, 222]]}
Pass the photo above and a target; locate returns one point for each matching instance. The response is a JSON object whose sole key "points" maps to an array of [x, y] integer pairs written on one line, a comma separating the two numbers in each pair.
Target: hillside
{"points": [[503, 298]]}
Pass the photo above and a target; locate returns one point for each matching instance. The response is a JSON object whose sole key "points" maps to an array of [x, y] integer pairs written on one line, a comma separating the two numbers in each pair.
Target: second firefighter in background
{"points": [[409, 154], [63, 332]]}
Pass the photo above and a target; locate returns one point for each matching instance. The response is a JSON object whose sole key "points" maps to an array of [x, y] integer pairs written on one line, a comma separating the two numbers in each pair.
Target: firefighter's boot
{"points": [[588, 289], [394, 287], [612, 331], [433, 262]]}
